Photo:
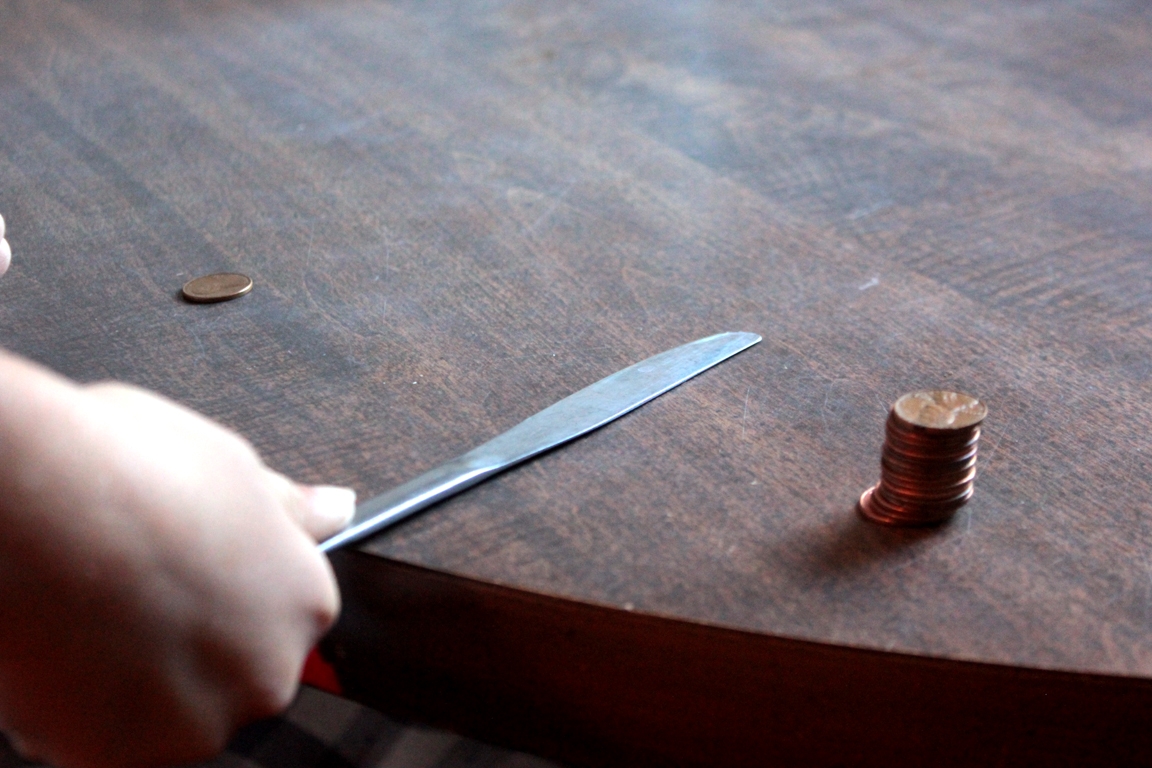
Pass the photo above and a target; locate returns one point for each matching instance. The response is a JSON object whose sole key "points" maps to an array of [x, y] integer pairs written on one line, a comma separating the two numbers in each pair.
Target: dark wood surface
{"points": [[603, 687], [458, 212]]}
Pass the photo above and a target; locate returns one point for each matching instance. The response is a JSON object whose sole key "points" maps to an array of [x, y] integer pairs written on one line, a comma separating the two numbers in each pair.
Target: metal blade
{"points": [[580, 413]]}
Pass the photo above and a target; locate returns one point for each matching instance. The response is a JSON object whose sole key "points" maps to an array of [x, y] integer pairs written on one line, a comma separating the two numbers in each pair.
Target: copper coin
{"points": [[219, 287], [940, 409]]}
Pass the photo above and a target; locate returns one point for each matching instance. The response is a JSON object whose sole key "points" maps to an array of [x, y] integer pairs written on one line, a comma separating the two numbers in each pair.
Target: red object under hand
{"points": [[318, 673]]}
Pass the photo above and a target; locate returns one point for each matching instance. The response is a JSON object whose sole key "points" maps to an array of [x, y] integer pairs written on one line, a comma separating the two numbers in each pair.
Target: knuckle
{"points": [[327, 609], [328, 613]]}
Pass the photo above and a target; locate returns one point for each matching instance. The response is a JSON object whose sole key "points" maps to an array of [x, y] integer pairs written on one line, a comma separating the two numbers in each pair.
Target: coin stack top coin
{"points": [[928, 462]]}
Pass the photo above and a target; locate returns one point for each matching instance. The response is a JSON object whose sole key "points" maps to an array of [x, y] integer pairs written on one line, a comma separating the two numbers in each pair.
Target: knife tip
{"points": [[746, 337]]}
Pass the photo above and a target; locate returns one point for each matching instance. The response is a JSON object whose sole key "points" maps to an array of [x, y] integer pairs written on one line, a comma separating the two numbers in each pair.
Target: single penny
{"points": [[940, 409], [219, 287]]}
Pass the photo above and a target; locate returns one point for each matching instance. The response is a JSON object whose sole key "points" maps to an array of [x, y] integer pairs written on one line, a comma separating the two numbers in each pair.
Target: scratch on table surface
{"points": [[1148, 589], [985, 461], [824, 407], [386, 237], [967, 527], [866, 211], [199, 343], [744, 419], [532, 353], [872, 283], [912, 559], [548, 212], [813, 363]]}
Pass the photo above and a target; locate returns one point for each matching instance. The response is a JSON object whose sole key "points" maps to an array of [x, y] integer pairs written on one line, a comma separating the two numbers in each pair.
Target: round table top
{"points": [[454, 214]]}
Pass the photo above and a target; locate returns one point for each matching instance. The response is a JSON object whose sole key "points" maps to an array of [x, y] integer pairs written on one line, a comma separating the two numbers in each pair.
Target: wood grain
{"points": [[458, 212]]}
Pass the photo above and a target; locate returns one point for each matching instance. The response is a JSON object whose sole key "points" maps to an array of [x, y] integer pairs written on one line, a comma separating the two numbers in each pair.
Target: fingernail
{"points": [[333, 504], [5, 255]]}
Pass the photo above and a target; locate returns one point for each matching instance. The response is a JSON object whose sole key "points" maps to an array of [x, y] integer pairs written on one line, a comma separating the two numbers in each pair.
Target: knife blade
{"points": [[574, 416]]}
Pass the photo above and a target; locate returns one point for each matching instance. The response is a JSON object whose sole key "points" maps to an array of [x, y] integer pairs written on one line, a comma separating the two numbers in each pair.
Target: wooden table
{"points": [[458, 212]]}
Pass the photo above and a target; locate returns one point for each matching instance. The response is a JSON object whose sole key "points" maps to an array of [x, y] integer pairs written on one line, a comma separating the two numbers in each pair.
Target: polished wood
{"points": [[603, 687], [456, 213]]}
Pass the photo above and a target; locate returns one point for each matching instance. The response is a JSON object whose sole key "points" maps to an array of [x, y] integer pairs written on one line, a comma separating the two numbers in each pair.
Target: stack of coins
{"points": [[928, 463]]}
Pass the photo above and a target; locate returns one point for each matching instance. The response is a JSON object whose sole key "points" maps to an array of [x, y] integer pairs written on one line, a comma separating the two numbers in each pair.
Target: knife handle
{"points": [[319, 673]]}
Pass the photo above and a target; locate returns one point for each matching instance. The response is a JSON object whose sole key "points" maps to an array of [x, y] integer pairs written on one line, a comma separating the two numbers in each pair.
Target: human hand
{"points": [[159, 585], [5, 250]]}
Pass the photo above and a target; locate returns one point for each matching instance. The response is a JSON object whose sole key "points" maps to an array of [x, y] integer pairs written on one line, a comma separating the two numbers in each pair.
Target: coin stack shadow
{"points": [[926, 474]]}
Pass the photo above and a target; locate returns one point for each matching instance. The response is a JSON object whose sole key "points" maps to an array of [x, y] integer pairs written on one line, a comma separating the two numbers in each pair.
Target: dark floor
{"points": [[322, 731]]}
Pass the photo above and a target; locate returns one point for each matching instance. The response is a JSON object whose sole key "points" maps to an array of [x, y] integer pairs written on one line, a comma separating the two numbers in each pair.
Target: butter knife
{"points": [[576, 415]]}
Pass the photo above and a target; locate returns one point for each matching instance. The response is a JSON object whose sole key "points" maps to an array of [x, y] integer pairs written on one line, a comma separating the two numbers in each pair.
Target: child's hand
{"points": [[159, 585]]}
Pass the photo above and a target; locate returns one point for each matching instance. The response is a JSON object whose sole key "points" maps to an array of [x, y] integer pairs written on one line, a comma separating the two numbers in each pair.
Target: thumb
{"points": [[321, 510]]}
